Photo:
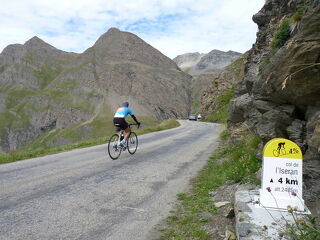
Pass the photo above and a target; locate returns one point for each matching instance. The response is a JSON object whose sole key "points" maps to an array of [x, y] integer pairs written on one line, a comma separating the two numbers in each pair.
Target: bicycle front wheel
{"points": [[132, 143], [113, 149]]}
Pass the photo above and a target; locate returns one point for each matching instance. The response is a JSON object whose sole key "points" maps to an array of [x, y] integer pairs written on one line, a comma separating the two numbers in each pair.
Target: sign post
{"points": [[282, 175]]}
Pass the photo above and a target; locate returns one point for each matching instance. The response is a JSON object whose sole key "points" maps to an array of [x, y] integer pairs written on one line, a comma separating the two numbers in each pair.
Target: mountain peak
{"points": [[106, 37], [35, 39], [117, 45], [113, 30], [37, 42]]}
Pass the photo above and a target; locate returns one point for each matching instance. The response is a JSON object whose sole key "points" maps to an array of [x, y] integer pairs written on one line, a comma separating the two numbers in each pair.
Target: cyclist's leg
{"points": [[122, 124], [127, 133], [127, 130]]}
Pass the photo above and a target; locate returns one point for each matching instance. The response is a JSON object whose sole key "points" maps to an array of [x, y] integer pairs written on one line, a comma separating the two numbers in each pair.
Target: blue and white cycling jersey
{"points": [[123, 112]]}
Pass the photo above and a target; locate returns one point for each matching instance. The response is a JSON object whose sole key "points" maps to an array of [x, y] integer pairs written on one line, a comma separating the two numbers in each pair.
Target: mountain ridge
{"points": [[76, 94], [213, 62]]}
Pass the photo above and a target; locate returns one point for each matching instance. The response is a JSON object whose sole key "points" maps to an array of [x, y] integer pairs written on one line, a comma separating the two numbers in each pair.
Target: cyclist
{"points": [[119, 120]]}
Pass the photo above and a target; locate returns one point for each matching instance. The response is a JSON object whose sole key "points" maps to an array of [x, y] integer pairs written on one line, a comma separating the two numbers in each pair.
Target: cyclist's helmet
{"points": [[125, 104]]}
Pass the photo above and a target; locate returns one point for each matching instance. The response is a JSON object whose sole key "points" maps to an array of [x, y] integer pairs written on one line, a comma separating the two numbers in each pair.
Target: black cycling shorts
{"points": [[121, 123]]}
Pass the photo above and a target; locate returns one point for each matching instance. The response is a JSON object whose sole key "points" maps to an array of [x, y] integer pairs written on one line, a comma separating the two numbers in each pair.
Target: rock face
{"points": [[204, 69], [188, 60], [49, 97], [221, 84], [199, 85], [214, 61], [280, 92]]}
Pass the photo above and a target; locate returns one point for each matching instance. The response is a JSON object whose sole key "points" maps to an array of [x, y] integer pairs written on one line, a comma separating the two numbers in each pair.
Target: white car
{"points": [[193, 117], [199, 117]]}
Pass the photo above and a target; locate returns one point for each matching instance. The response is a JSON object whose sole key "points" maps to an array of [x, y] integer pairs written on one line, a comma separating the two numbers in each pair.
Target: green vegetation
{"points": [[224, 98], [196, 102], [16, 95], [46, 75], [30, 57], [237, 67], [5, 120], [307, 228], [241, 164], [267, 60], [281, 35], [298, 15], [283, 31], [264, 63], [167, 124], [221, 114], [16, 156], [68, 84], [15, 119], [232, 161]]}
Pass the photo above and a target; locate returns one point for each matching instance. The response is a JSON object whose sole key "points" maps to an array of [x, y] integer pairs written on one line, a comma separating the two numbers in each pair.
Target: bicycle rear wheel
{"points": [[132, 143], [113, 149]]}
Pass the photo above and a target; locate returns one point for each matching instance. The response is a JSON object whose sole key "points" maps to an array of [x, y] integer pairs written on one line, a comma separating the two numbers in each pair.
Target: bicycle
{"points": [[114, 147], [279, 152]]}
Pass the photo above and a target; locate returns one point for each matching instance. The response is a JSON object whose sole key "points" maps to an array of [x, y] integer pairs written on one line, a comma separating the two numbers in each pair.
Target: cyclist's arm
{"points": [[135, 119]]}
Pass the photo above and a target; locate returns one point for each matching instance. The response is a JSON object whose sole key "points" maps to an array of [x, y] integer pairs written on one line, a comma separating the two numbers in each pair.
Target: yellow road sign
{"points": [[282, 148]]}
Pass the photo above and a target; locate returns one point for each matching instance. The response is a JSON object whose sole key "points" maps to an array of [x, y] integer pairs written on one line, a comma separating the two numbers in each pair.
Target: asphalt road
{"points": [[83, 194]]}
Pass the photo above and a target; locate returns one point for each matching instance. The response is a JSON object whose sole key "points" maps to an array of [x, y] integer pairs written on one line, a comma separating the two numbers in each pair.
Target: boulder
{"points": [[313, 133], [268, 130], [264, 106], [238, 107], [296, 132]]}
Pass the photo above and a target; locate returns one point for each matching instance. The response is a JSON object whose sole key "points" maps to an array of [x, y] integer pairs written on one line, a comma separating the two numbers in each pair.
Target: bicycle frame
{"points": [[122, 133]]}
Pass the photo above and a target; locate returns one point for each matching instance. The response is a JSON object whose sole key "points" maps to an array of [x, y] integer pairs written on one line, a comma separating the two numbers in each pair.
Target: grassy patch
{"points": [[16, 156], [167, 124], [224, 98], [281, 35], [46, 74], [19, 95], [196, 102], [16, 96], [307, 228], [67, 84], [266, 61], [239, 164], [299, 13], [221, 114]]}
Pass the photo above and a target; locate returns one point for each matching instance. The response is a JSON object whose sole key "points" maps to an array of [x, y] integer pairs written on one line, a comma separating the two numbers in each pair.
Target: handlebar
{"points": [[131, 124]]}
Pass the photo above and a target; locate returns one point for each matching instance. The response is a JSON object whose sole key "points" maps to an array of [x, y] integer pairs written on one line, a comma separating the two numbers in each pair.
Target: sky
{"points": [[174, 27]]}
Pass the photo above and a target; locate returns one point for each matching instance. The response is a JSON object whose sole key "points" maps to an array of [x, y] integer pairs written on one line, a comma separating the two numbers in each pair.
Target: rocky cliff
{"points": [[186, 62], [212, 62], [49, 97], [204, 69], [280, 92], [222, 85]]}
